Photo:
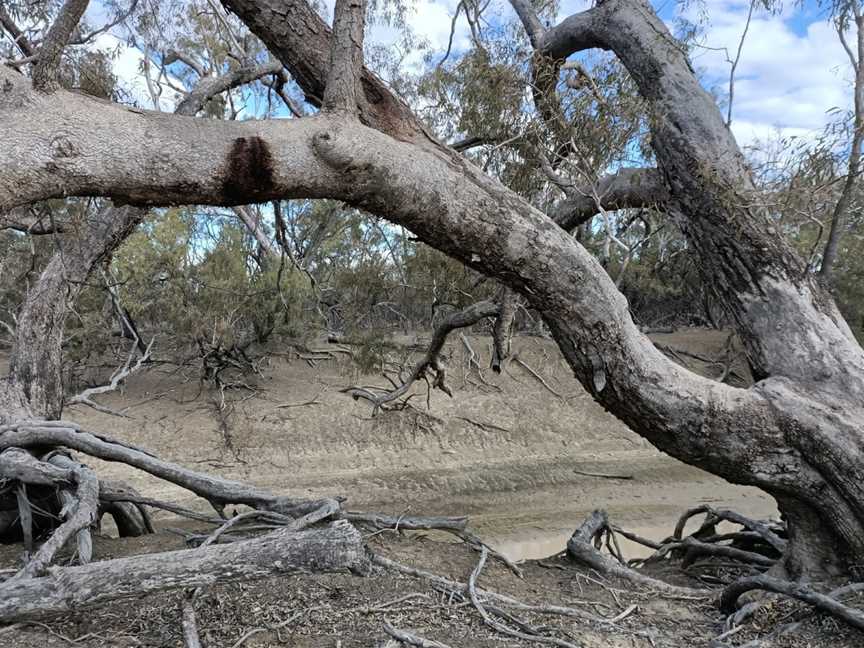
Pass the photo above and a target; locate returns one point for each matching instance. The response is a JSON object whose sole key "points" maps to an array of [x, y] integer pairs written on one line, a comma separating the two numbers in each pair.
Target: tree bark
{"points": [[337, 547], [748, 264]]}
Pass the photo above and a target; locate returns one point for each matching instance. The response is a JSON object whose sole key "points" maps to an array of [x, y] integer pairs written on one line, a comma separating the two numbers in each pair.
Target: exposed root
{"points": [[827, 603], [458, 526], [499, 599], [126, 507], [526, 632], [80, 511], [583, 546], [712, 517], [216, 490]]}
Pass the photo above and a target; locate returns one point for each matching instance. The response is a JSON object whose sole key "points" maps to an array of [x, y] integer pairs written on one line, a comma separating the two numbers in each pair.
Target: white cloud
{"points": [[786, 80], [431, 21]]}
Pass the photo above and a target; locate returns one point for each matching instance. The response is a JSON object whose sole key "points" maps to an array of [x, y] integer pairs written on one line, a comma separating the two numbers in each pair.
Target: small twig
{"points": [[536, 375], [411, 639]]}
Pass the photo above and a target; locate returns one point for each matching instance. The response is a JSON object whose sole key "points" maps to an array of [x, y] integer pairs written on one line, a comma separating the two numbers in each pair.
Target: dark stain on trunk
{"points": [[248, 172]]}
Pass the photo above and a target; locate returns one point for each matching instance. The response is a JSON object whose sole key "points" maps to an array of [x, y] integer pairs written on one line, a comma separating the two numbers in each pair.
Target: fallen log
{"points": [[336, 547]]}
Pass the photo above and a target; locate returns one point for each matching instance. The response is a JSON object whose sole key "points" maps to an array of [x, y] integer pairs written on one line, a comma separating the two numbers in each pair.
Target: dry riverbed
{"points": [[527, 461]]}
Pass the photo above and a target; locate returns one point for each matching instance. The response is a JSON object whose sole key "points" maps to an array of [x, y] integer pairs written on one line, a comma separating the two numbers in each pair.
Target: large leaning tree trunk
{"points": [[797, 433]]}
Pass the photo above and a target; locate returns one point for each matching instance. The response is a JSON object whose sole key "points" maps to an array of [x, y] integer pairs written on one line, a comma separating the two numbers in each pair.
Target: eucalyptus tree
{"points": [[796, 433]]}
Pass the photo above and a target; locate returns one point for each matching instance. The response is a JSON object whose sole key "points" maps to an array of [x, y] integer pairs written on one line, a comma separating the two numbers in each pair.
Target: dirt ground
{"points": [[507, 450]]}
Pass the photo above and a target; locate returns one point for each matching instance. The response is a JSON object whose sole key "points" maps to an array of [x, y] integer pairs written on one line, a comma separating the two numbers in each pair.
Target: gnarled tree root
{"points": [[824, 602], [581, 547]]}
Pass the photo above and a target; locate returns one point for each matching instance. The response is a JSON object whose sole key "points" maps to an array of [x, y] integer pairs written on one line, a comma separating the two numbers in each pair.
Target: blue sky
{"points": [[792, 72]]}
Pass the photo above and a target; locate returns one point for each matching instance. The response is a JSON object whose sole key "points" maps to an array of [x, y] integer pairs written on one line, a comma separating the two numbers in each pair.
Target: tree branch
{"points": [[575, 33], [213, 489], [841, 210], [208, 87], [337, 547], [628, 188], [460, 319], [800, 591], [321, 156], [172, 56], [47, 65], [18, 37], [346, 57], [119, 376], [294, 32], [530, 21]]}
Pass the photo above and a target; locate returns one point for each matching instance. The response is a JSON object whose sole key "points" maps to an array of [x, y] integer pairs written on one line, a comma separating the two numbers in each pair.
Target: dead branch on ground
{"points": [[431, 359], [337, 547], [405, 637], [526, 632]]}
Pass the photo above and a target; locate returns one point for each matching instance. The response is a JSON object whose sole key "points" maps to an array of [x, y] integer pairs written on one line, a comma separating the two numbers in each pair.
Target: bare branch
{"points": [[172, 56], [215, 490], [461, 319], [18, 37], [208, 87], [117, 378], [253, 225], [295, 33], [735, 62], [529, 19], [840, 214]]}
